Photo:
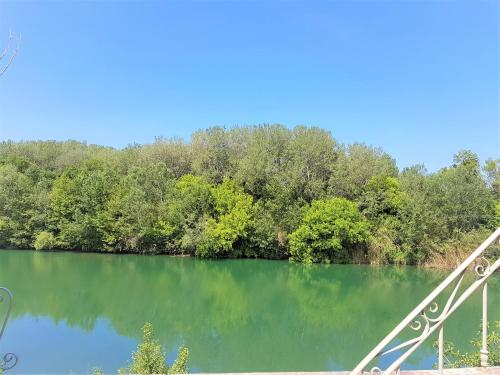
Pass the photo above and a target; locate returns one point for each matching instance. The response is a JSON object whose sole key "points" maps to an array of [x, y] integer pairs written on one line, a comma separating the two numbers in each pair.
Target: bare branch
{"points": [[7, 48], [6, 51]]}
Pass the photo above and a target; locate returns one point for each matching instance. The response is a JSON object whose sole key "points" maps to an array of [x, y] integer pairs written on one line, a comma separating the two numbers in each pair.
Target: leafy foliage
{"points": [[44, 241], [150, 358], [79, 200], [246, 191], [455, 358], [356, 165], [328, 229], [229, 223]]}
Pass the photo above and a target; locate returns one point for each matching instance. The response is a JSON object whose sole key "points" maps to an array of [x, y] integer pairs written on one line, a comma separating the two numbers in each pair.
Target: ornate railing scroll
{"points": [[427, 317], [8, 360]]}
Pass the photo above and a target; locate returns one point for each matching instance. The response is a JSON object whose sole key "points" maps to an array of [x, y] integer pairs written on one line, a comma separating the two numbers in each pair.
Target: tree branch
{"points": [[7, 49]]}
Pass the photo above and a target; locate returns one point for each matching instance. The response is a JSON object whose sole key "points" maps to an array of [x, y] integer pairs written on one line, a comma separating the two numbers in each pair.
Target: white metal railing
{"points": [[8, 360], [426, 317]]}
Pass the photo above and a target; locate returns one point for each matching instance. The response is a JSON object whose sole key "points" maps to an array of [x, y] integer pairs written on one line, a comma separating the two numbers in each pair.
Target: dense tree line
{"points": [[261, 191]]}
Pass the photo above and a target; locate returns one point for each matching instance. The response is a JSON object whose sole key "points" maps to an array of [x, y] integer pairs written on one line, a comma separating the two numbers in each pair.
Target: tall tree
{"points": [[356, 165]]}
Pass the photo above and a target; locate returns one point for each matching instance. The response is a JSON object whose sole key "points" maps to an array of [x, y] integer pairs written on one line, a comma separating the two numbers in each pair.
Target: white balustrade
{"points": [[423, 318]]}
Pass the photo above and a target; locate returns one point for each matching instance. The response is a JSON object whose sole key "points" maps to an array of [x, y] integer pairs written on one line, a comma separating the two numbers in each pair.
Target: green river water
{"points": [[75, 311]]}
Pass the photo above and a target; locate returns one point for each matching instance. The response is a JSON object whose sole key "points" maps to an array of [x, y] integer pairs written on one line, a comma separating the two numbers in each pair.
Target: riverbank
{"points": [[448, 255], [437, 265]]}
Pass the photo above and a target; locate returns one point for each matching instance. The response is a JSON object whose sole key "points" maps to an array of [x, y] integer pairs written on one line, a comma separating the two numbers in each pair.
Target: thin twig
{"points": [[6, 50]]}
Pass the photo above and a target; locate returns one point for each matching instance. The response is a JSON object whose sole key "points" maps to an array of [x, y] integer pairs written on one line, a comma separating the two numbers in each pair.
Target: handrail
{"points": [[419, 319], [8, 360]]}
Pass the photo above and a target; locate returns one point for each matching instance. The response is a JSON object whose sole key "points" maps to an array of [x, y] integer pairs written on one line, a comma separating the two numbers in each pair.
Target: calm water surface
{"points": [[76, 311]]}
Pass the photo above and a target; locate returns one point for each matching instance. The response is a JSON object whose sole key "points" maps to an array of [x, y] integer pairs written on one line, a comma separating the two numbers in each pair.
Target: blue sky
{"points": [[419, 79]]}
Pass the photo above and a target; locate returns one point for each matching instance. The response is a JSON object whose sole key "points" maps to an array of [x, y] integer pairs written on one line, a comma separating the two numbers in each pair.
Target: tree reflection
{"points": [[237, 315]]}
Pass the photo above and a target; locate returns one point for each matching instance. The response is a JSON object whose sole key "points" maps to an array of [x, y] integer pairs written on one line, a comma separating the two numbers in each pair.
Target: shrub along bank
{"points": [[260, 191]]}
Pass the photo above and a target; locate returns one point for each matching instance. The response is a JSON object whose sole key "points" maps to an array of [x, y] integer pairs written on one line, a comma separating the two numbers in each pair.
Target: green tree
{"points": [[284, 170], [355, 166], [421, 222], [211, 154], [461, 195], [492, 171], [185, 213], [79, 201], [135, 206], [44, 241], [383, 196], [265, 239], [263, 160], [15, 205], [230, 222], [443, 206], [329, 229], [166, 197], [150, 357], [383, 202], [173, 153]]}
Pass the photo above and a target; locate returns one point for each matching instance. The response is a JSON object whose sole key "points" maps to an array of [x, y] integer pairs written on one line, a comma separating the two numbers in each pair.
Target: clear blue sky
{"points": [[419, 79]]}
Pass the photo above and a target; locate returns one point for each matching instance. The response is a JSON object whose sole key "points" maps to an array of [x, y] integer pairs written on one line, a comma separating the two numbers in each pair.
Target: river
{"points": [[76, 311]]}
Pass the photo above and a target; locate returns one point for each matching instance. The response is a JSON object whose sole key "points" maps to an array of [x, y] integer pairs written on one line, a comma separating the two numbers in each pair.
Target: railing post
{"points": [[441, 349], [484, 349]]}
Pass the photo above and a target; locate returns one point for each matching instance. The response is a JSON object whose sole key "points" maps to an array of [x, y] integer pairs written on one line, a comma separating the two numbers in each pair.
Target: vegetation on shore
{"points": [[260, 191]]}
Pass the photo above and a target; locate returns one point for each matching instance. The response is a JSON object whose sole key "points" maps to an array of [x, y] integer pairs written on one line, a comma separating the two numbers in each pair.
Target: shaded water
{"points": [[74, 311]]}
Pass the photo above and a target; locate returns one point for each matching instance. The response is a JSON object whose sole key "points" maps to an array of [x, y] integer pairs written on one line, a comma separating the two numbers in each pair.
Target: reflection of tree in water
{"points": [[362, 307], [338, 290], [359, 307], [239, 315], [127, 290]]}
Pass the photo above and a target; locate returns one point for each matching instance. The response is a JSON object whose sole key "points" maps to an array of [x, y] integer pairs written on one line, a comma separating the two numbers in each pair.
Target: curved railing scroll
{"points": [[8, 360], [427, 317]]}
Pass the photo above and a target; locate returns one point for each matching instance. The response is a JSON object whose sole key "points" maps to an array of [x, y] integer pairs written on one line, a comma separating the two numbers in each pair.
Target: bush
{"points": [[453, 251], [150, 357], [232, 217], [328, 230], [382, 247], [457, 359], [265, 239], [44, 241]]}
